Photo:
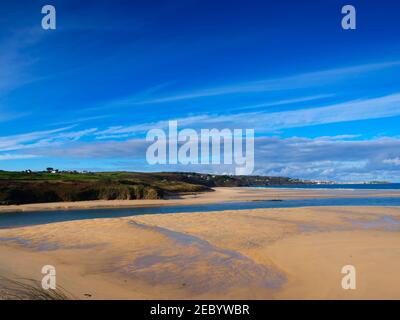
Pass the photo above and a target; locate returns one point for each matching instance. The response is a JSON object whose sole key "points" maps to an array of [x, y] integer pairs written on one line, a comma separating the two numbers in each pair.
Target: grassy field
{"points": [[21, 188], [36, 187]]}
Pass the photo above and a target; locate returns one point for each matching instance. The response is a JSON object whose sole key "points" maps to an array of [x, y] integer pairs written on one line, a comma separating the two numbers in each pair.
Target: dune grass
{"points": [[29, 289]]}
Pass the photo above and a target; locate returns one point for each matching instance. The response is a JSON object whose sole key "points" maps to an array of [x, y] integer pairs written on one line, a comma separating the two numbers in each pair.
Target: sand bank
{"points": [[218, 195], [253, 254]]}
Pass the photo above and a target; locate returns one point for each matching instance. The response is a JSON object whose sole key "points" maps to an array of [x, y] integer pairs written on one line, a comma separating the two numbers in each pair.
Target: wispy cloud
{"points": [[285, 102], [16, 67], [133, 149], [264, 122], [9, 115], [310, 79], [126, 131], [41, 139], [16, 156], [393, 161], [128, 101], [382, 107], [15, 62], [79, 120]]}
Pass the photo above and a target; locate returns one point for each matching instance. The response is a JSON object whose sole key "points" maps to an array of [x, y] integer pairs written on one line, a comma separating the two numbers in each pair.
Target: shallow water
{"points": [[20, 219], [201, 266]]}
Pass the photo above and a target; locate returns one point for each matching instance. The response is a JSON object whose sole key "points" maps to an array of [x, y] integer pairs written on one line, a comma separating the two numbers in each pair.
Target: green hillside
{"points": [[37, 187]]}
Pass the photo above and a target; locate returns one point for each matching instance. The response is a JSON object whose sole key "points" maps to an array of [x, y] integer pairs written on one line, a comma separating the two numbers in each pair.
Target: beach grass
{"points": [[29, 289]]}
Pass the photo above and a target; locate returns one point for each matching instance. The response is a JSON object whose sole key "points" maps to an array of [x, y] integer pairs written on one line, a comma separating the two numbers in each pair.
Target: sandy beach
{"points": [[286, 253], [218, 195]]}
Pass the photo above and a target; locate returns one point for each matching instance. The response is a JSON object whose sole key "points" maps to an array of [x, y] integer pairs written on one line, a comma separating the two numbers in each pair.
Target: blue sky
{"points": [[324, 102]]}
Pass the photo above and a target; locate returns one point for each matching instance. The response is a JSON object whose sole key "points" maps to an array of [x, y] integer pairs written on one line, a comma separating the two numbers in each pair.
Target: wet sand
{"points": [[291, 253], [218, 195]]}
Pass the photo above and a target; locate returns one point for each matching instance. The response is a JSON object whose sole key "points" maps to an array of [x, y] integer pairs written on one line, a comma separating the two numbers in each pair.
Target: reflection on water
{"points": [[200, 266], [20, 219]]}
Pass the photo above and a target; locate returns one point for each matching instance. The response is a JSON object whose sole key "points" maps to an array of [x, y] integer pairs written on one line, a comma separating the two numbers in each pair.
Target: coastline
{"points": [[285, 253], [220, 194]]}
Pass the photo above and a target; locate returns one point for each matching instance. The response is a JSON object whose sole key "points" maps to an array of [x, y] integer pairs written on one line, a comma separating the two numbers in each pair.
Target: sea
{"points": [[354, 186]]}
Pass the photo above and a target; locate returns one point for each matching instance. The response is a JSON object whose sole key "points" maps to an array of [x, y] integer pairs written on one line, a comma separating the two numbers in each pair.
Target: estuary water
{"points": [[20, 219]]}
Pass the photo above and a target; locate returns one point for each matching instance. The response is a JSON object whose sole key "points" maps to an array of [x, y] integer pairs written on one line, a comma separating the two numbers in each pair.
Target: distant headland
{"points": [[53, 185]]}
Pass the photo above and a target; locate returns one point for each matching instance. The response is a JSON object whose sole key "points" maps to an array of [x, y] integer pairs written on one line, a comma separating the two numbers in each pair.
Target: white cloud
{"points": [[329, 158], [394, 161]]}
